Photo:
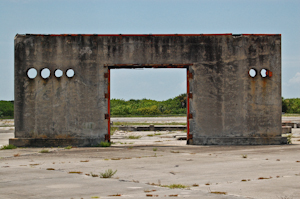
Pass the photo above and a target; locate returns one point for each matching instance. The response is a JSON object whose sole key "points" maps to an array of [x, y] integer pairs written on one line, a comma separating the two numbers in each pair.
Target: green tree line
{"points": [[291, 105], [6, 109], [148, 107]]}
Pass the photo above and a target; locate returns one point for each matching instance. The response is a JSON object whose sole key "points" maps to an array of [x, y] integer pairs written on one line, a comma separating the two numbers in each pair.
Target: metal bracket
{"points": [[106, 95], [190, 95], [190, 116], [106, 116], [106, 75], [190, 136], [191, 75], [107, 138]]}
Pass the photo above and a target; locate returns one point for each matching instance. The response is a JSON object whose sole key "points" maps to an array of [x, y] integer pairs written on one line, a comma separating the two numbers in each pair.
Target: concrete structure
{"points": [[233, 85]]}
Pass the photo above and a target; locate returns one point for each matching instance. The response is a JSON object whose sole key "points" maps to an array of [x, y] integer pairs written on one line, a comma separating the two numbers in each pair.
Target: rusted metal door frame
{"points": [[135, 66]]}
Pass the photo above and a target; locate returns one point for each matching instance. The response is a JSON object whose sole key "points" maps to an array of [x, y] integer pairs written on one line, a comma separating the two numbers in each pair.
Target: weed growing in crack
{"points": [[175, 186], [108, 173]]}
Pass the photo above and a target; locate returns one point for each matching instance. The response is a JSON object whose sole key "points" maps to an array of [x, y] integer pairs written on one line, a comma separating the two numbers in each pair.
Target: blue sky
{"points": [[144, 17]]}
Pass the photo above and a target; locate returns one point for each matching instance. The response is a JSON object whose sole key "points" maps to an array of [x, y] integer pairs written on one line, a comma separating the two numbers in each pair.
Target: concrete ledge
{"points": [[291, 124], [151, 127], [286, 129], [238, 141], [39, 142]]}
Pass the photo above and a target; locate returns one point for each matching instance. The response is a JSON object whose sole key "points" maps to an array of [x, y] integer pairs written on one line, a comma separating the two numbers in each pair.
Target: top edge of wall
{"points": [[146, 35]]}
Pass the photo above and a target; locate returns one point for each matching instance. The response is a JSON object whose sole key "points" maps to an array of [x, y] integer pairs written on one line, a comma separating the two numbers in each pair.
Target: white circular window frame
{"points": [[45, 73], [70, 73], [32, 73]]}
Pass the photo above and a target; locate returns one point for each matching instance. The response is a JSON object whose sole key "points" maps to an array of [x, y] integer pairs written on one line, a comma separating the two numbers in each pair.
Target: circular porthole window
{"points": [[70, 73], [252, 72], [45, 73], [263, 72], [32, 73], [58, 73]]}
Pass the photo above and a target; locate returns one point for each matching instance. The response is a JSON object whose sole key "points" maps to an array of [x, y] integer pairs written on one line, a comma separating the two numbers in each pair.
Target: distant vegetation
{"points": [[291, 105], [147, 107], [6, 109]]}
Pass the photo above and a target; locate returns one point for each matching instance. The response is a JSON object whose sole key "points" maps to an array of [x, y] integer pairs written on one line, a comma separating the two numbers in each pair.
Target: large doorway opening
{"points": [[160, 120]]}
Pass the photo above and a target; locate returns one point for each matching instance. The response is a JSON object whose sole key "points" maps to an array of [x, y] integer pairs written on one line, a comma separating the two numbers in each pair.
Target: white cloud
{"points": [[295, 79]]}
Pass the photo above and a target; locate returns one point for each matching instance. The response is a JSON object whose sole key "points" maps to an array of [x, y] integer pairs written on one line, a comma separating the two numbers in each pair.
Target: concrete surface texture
{"points": [[215, 172], [233, 81], [145, 165]]}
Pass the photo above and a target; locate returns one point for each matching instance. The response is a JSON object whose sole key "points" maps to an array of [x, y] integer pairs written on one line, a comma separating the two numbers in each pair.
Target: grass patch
{"points": [[175, 186], [108, 173], [134, 137], [219, 192], [44, 151], [68, 147], [9, 146], [154, 149], [95, 197], [84, 160], [175, 151], [104, 144]]}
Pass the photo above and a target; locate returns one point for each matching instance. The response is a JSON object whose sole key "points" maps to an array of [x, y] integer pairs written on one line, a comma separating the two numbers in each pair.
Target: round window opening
{"points": [[45, 73], [263, 72], [70, 73], [58, 73], [252, 72], [32, 73]]}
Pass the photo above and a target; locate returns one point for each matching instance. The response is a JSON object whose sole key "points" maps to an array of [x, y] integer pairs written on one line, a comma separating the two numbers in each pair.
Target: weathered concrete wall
{"points": [[228, 106]]}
